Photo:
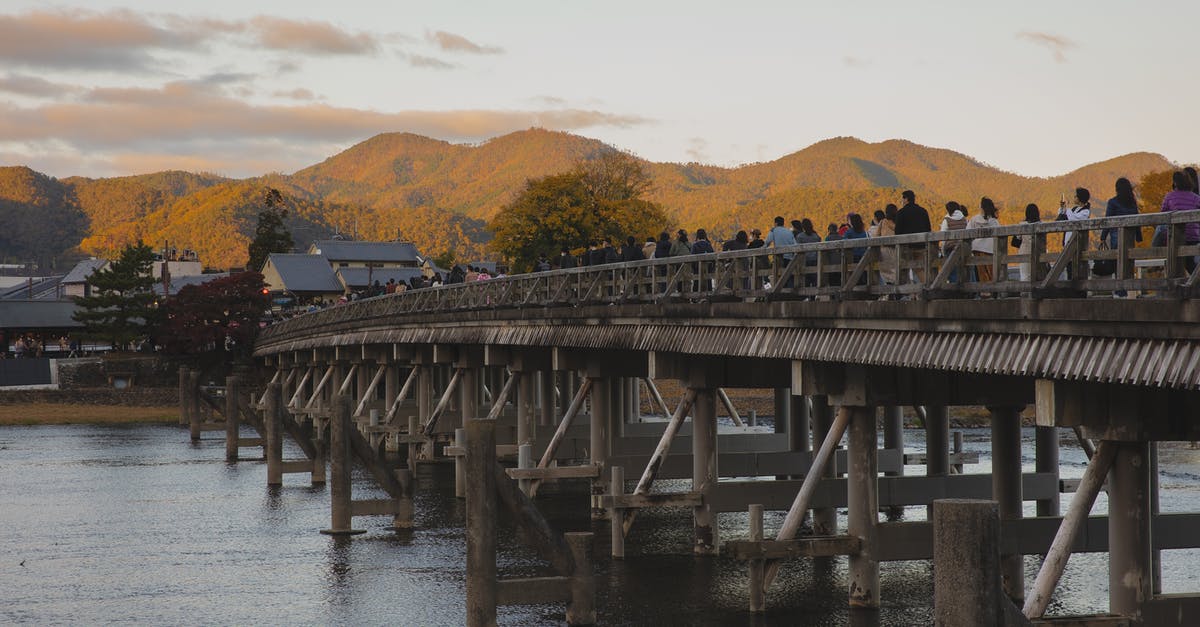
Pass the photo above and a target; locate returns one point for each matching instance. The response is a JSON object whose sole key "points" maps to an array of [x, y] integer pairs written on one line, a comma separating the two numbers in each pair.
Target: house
{"points": [[357, 279], [304, 276], [351, 254], [76, 281]]}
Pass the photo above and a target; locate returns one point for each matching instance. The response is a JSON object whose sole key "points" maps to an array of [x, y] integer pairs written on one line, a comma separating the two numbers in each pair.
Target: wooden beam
{"points": [[557, 472], [561, 432], [362, 403], [812, 546], [443, 403], [660, 453], [401, 397]]}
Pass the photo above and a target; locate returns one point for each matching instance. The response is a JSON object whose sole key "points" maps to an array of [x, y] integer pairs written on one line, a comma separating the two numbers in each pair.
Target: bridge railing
{"points": [[1062, 259]]}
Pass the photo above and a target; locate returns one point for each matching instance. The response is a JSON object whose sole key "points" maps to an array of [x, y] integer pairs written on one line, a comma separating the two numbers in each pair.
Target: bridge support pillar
{"points": [[425, 379], [783, 408], [545, 398], [193, 394], [862, 493], [824, 519], [526, 406], [704, 469], [391, 389], [232, 390], [893, 440], [272, 420], [1046, 461], [469, 387], [1006, 490], [937, 444], [1130, 565], [600, 442]]}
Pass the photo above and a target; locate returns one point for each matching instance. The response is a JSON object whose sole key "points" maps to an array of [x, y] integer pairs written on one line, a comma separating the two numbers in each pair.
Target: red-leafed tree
{"points": [[216, 321]]}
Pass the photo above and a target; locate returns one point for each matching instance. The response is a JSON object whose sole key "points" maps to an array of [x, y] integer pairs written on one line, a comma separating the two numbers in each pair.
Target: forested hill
{"points": [[441, 194]]}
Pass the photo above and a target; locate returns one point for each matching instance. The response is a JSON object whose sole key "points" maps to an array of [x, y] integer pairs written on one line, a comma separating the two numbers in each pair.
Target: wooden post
{"points": [[193, 393], [413, 448], [481, 522], [616, 514], [273, 419], [1130, 563], [1077, 513], [469, 388], [660, 452], [339, 469], [937, 444], [893, 440], [460, 467], [561, 432], [957, 438], [231, 418], [526, 406], [404, 511], [1046, 461], [733, 412], [758, 598], [546, 398], [1006, 489], [704, 471], [862, 495], [783, 408], [824, 519], [184, 416], [600, 439], [391, 392], [524, 460], [581, 610]]}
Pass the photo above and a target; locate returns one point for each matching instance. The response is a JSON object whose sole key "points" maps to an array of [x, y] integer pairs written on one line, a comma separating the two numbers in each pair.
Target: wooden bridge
{"points": [[557, 362]]}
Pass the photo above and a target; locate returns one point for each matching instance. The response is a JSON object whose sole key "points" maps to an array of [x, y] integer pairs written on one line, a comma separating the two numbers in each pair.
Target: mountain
{"points": [[441, 195]]}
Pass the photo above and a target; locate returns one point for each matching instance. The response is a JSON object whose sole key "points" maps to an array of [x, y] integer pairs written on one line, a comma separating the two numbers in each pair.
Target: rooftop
{"points": [[341, 250]]}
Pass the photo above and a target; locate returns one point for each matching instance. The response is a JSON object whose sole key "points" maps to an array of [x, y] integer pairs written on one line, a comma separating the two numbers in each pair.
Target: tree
{"points": [[121, 306], [597, 199], [270, 235], [216, 319]]}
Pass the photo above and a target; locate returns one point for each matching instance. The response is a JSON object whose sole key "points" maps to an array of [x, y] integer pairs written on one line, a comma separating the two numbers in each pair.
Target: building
{"points": [[351, 254], [305, 276], [75, 283]]}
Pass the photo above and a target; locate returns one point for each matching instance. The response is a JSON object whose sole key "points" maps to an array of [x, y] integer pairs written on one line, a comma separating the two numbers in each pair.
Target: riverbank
{"points": [[89, 406]]}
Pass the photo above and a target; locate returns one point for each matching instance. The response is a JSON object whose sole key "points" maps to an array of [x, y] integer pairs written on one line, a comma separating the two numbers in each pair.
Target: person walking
{"points": [[984, 248]]}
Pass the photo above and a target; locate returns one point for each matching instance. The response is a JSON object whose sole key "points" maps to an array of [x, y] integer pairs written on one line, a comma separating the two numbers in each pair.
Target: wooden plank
{"points": [[297, 466], [636, 501], [1172, 609], [533, 590], [558, 472], [918, 459], [248, 442], [811, 546], [1099, 620], [375, 507]]}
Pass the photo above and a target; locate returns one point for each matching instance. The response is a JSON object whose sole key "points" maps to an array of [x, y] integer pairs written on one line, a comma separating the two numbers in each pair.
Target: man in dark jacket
{"points": [[631, 251], [608, 252], [913, 218], [566, 259]]}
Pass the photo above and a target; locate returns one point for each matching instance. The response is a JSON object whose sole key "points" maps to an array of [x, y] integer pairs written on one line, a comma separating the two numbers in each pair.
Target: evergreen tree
{"points": [[122, 303], [270, 236]]}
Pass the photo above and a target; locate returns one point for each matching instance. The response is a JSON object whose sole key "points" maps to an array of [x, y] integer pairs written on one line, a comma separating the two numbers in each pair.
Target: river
{"points": [[133, 524]]}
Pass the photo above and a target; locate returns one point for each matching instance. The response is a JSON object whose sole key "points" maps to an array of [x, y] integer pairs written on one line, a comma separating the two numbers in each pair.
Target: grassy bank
{"points": [[71, 414]]}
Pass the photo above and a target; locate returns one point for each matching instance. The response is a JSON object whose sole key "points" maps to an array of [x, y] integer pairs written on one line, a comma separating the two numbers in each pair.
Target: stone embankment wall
{"points": [[135, 397]]}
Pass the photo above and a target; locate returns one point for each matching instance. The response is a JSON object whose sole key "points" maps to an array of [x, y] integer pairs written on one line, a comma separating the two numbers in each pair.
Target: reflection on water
{"points": [[131, 524]]}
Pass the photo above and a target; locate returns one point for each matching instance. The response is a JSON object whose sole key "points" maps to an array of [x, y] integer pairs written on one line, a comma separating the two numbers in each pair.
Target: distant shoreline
{"points": [[27, 414]]}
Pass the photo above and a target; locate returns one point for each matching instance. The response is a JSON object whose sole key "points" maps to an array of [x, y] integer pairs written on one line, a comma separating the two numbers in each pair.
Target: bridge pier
{"points": [[1006, 489], [937, 444], [1130, 566], [704, 470], [1046, 461], [600, 441], [546, 409], [824, 519], [862, 516], [893, 440]]}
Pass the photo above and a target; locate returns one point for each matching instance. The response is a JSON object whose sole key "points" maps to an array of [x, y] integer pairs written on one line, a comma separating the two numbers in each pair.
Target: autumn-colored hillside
{"points": [[440, 195]]}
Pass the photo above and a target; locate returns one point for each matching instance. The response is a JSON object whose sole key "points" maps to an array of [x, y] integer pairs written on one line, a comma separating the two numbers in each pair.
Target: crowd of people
{"points": [[907, 218], [33, 345]]}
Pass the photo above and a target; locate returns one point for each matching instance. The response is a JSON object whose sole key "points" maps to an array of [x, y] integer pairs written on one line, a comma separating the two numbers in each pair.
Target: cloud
{"points": [[298, 93], [549, 101], [116, 40], [312, 37], [417, 60], [697, 149], [1057, 44], [450, 42], [126, 41], [35, 86], [854, 62], [183, 118]]}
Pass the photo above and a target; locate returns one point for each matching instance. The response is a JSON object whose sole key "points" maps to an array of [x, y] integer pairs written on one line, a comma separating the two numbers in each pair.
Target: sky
{"points": [[250, 87]]}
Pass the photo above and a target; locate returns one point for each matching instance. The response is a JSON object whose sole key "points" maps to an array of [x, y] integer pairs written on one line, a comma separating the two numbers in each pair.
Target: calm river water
{"points": [[134, 524]]}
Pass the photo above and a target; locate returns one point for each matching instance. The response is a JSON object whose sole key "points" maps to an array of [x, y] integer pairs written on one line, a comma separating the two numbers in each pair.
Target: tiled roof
{"points": [[341, 250], [305, 273]]}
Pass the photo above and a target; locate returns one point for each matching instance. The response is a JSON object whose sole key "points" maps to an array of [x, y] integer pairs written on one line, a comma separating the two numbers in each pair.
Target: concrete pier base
{"points": [[1130, 565], [966, 557], [339, 470]]}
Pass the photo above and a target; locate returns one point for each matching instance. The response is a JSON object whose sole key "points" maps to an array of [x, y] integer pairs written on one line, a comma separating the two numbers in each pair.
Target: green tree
{"points": [[121, 306], [597, 199], [270, 236]]}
